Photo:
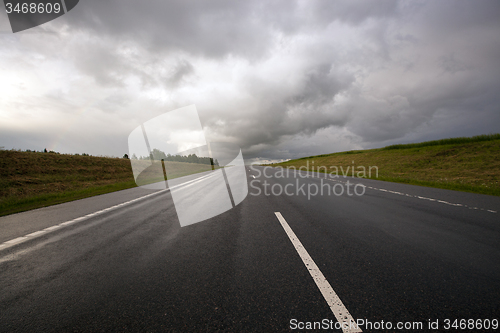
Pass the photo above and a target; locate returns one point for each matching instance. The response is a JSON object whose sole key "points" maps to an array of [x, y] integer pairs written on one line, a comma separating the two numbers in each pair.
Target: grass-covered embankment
{"points": [[463, 164], [30, 180]]}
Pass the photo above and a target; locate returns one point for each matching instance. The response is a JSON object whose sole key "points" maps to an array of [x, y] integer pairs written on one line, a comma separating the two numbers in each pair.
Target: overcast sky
{"points": [[282, 79]]}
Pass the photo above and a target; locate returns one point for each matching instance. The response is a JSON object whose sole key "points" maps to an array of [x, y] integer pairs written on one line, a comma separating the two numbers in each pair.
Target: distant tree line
{"points": [[56, 152], [158, 155]]}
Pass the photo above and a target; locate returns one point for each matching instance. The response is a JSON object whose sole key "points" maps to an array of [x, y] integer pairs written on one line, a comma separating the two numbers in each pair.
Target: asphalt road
{"points": [[397, 254]]}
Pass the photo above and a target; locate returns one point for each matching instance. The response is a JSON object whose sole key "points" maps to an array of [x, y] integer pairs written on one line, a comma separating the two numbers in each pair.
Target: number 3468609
{"points": [[33, 8]]}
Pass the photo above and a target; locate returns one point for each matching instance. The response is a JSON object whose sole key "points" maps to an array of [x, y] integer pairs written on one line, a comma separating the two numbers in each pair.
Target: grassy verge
{"points": [[30, 180], [13, 205], [463, 164]]}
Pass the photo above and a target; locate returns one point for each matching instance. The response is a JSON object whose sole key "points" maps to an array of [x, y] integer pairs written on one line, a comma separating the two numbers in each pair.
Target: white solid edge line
{"points": [[54, 227], [35, 234], [191, 182], [16, 240], [32, 235], [343, 316]]}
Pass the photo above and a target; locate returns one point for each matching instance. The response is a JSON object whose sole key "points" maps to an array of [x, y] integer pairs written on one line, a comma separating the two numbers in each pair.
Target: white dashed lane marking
{"points": [[419, 197], [409, 195], [340, 312]]}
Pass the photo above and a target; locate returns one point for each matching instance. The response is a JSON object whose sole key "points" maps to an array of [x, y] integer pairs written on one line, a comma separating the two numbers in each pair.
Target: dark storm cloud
{"points": [[217, 28], [407, 62], [275, 111], [284, 78], [352, 12], [209, 28]]}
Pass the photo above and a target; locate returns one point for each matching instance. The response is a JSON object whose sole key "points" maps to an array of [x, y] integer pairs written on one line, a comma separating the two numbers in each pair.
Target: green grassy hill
{"points": [[30, 180], [464, 164]]}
